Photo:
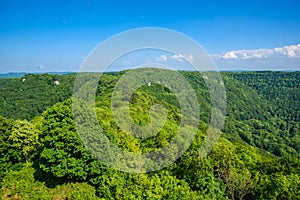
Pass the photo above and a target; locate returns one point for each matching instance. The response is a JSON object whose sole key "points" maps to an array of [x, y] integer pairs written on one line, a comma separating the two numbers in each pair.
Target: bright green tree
{"points": [[9, 155], [24, 136]]}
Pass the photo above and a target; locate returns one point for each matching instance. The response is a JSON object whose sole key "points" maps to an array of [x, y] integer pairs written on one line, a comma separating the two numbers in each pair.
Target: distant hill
{"points": [[20, 74], [264, 110], [29, 95], [12, 75]]}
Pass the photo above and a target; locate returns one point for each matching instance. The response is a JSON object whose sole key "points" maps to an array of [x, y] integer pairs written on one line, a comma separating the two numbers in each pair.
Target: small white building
{"points": [[56, 83]]}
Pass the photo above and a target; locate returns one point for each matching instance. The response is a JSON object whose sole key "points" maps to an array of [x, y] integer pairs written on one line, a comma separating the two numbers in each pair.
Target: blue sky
{"points": [[58, 35]]}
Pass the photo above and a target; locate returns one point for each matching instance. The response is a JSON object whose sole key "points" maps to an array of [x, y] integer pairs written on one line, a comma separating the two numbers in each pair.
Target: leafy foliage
{"points": [[30, 95], [263, 110], [24, 136], [22, 185], [10, 156], [257, 156], [62, 153]]}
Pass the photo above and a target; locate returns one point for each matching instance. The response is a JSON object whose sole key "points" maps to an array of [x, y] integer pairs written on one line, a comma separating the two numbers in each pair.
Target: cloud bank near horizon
{"points": [[292, 51], [278, 58]]}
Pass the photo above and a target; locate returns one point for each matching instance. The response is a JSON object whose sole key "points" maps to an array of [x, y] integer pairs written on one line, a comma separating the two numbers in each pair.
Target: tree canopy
{"points": [[42, 155]]}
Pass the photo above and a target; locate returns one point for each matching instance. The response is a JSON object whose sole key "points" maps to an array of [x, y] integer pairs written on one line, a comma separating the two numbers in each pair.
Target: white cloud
{"points": [[286, 51], [189, 58], [181, 58], [289, 51], [178, 58], [229, 55], [162, 58]]}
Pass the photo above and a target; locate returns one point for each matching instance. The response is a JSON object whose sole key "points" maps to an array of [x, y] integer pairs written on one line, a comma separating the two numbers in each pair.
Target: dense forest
{"points": [[257, 156]]}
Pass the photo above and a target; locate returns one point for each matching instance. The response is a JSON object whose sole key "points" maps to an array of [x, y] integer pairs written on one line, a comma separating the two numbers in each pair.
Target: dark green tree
{"points": [[62, 154]]}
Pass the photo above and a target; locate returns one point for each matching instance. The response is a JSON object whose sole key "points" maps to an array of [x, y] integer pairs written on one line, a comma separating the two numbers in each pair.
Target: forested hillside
{"points": [[256, 157], [273, 117], [263, 109], [30, 95]]}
